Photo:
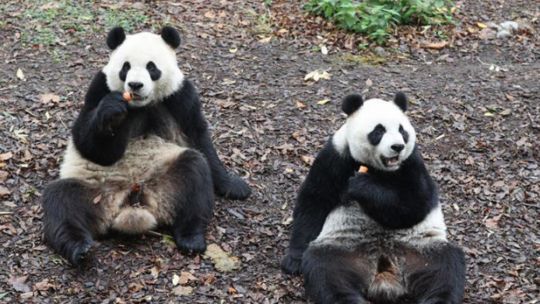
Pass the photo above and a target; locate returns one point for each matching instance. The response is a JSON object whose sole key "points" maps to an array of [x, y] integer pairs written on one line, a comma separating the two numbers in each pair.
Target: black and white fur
{"points": [[377, 237], [132, 167]]}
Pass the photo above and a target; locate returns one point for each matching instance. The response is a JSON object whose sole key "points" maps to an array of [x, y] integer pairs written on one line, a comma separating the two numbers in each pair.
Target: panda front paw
{"points": [[357, 185], [291, 264], [191, 244], [233, 188], [111, 112]]}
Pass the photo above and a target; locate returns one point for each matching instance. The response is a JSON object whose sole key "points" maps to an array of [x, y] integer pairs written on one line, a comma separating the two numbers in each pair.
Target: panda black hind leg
{"points": [[332, 276], [194, 200], [442, 282], [70, 218]]}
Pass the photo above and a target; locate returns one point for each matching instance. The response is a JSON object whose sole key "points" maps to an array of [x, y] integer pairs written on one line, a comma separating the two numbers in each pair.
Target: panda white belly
{"points": [[144, 164], [349, 226]]}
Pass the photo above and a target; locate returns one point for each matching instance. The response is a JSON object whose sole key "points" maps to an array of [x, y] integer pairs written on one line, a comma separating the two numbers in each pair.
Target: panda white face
{"points": [[143, 64], [378, 134]]}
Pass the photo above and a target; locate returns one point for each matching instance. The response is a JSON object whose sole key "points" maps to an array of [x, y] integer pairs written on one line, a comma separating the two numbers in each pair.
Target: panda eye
{"points": [[152, 69], [404, 133], [124, 71], [376, 134]]}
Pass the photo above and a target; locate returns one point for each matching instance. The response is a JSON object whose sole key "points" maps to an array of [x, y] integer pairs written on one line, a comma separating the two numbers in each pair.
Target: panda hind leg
{"points": [[194, 200], [442, 282], [330, 276], [70, 218]]}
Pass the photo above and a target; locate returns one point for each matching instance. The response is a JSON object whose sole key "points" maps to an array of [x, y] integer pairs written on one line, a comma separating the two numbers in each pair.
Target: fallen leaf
{"points": [[4, 191], [6, 156], [231, 290], [369, 83], [481, 25], [210, 15], [323, 101], [324, 50], [3, 176], [317, 75], [436, 45], [18, 283], [185, 277], [493, 223], [97, 199], [233, 50], [221, 260], [182, 291], [20, 74], [308, 159], [300, 105], [175, 279], [49, 97], [265, 40]]}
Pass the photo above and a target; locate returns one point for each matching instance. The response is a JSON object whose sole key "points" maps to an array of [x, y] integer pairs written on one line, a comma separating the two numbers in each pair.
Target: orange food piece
{"points": [[127, 96], [363, 169]]}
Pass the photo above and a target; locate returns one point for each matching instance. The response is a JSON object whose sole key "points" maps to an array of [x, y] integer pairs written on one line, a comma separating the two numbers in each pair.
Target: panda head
{"points": [[378, 132], [143, 64]]}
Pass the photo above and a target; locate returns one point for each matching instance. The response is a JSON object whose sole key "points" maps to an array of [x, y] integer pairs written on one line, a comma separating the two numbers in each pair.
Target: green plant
{"points": [[376, 18]]}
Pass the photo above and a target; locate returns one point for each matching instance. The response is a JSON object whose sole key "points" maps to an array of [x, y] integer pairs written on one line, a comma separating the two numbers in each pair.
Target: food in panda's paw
{"points": [[363, 169], [127, 96]]}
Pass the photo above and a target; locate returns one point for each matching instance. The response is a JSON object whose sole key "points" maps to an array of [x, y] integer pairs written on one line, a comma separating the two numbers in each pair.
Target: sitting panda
{"points": [[130, 167], [375, 237]]}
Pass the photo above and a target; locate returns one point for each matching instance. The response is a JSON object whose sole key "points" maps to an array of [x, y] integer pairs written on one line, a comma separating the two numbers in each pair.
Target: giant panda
{"points": [[130, 167], [375, 237]]}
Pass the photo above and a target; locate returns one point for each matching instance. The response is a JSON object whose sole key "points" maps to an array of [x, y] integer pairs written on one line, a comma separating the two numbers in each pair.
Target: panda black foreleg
{"points": [[330, 277], [70, 218], [194, 201], [442, 282]]}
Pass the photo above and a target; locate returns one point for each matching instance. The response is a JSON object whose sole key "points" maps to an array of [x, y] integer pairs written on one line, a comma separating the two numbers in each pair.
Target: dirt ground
{"points": [[474, 102]]}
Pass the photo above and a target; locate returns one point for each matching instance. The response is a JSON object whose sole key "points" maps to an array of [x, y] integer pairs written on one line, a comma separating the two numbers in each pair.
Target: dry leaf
{"points": [[300, 105], [317, 75], [436, 45], [175, 279], [221, 260], [369, 83], [185, 277], [18, 283], [43, 285], [493, 223], [233, 50], [6, 156], [323, 101], [4, 191], [324, 50], [265, 40], [97, 199], [210, 15], [49, 97], [20, 74], [481, 25], [232, 290], [308, 159], [182, 291]]}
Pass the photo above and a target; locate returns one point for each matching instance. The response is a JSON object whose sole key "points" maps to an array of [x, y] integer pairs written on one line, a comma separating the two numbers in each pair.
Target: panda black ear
{"points": [[115, 37], [351, 103], [171, 36], [401, 101]]}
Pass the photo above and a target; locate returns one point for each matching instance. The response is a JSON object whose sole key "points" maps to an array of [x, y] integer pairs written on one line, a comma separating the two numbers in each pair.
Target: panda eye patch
{"points": [[124, 71], [376, 134], [404, 133], [153, 70]]}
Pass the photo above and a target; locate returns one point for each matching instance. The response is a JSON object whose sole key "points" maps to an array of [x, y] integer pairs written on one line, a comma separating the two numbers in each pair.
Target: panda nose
{"points": [[134, 85], [398, 147]]}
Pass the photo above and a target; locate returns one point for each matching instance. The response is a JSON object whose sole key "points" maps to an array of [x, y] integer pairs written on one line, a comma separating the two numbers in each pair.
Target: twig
{"points": [[158, 234], [6, 213]]}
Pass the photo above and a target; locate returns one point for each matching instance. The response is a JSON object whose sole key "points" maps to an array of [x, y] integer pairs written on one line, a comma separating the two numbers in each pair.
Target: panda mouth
{"points": [[137, 96], [390, 161]]}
